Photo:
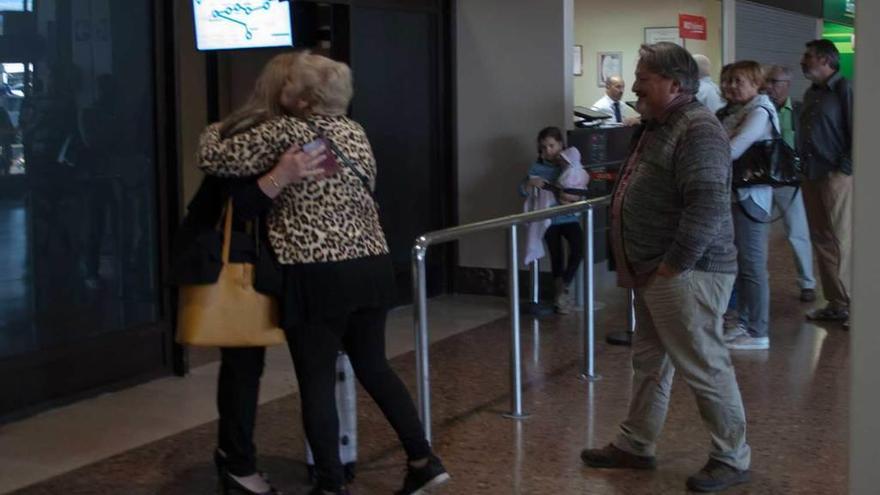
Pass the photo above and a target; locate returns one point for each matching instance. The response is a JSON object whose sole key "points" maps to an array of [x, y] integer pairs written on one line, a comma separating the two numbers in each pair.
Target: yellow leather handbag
{"points": [[229, 312]]}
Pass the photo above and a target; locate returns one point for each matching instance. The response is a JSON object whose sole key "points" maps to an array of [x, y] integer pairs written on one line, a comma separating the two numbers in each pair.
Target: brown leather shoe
{"points": [[716, 476], [614, 458]]}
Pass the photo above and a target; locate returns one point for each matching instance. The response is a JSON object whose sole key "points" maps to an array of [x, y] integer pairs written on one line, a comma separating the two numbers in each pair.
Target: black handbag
{"points": [[771, 162]]}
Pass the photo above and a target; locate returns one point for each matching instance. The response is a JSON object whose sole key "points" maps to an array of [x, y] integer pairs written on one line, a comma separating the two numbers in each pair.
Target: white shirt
{"points": [[710, 95], [758, 125], [606, 105]]}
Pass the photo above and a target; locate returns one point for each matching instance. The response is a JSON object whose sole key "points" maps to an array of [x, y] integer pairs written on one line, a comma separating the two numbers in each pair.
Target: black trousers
{"points": [[573, 234], [314, 347], [237, 392]]}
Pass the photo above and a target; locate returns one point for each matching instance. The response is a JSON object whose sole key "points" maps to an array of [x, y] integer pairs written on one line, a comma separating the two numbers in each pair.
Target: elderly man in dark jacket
{"points": [[825, 144], [672, 235]]}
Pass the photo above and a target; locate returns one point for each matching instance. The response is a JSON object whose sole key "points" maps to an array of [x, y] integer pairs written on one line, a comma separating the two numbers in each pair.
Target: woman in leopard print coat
{"points": [[325, 231]]}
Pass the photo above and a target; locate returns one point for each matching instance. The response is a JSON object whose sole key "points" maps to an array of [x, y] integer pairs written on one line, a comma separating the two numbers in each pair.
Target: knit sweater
{"points": [[676, 209]]}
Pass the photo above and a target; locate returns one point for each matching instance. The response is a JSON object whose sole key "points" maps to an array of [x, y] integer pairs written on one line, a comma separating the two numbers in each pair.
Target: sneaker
{"points": [[614, 458], [419, 480], [562, 300], [733, 333], [808, 295], [748, 343], [828, 314], [716, 476]]}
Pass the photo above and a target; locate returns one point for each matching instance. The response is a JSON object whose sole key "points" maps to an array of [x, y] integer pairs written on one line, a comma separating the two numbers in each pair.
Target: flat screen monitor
{"points": [[227, 24]]}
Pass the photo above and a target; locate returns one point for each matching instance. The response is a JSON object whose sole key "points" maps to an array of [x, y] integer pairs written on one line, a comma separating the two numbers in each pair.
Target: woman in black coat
{"points": [[197, 261]]}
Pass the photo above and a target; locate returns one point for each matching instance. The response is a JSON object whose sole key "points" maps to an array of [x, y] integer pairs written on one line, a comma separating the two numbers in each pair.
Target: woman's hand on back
{"points": [[294, 166]]}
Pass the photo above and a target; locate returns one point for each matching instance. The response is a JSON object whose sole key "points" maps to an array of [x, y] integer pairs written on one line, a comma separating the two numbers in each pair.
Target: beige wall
{"points": [[618, 26], [513, 61]]}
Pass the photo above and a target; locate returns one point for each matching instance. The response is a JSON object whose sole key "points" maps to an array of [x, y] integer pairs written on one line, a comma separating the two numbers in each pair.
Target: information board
{"points": [[224, 24]]}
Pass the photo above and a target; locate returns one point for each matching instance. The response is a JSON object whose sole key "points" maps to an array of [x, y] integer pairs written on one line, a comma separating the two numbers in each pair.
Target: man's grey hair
{"points": [[672, 62], [777, 69], [704, 64]]}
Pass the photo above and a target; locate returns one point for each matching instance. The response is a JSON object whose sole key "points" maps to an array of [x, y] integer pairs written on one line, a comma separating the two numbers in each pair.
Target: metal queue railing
{"points": [[511, 223]]}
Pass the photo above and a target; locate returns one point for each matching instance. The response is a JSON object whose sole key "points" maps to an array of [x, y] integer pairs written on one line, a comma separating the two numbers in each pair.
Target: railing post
{"points": [[516, 410], [631, 314], [535, 272], [420, 304], [423, 370], [589, 371]]}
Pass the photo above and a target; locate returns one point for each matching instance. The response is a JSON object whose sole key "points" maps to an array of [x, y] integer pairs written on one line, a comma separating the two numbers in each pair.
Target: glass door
{"points": [[80, 299]]}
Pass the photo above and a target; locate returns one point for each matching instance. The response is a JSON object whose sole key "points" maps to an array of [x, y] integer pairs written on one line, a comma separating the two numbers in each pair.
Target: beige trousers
{"points": [[828, 202], [679, 327]]}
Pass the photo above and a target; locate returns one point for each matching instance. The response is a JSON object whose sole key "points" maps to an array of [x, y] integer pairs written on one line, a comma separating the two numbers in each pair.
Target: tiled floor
{"points": [[67, 438], [796, 397]]}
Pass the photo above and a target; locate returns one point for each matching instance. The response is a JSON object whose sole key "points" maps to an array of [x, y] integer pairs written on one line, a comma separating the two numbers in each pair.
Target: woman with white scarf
{"points": [[749, 117]]}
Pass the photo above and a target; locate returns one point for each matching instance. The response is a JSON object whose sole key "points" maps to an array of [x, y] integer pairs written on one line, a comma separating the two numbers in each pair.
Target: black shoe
{"points": [[808, 295], [422, 478], [716, 476], [611, 457], [229, 485]]}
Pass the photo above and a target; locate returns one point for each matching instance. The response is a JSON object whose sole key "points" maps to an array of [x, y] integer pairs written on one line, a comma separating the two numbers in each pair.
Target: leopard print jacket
{"points": [[330, 219]]}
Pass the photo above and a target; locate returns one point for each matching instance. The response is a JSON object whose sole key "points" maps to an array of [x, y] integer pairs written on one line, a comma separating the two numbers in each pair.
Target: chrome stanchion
{"points": [[420, 293], [589, 371], [516, 410], [536, 284], [534, 307]]}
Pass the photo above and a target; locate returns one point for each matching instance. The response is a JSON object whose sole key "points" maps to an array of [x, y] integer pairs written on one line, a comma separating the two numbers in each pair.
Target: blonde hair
{"points": [[265, 100], [333, 90], [749, 69]]}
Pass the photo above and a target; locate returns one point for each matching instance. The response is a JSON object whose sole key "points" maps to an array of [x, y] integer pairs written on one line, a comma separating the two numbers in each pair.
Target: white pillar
{"points": [[865, 338], [728, 31]]}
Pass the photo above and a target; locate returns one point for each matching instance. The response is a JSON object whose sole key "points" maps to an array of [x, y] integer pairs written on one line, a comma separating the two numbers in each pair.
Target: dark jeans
{"points": [[237, 392], [575, 237], [314, 348]]}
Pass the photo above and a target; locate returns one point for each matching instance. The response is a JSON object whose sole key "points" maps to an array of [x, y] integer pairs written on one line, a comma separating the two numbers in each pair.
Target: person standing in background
{"points": [[824, 142], [611, 104], [708, 94], [789, 200]]}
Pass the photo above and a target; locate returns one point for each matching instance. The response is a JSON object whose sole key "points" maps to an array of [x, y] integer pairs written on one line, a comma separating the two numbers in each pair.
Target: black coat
{"points": [[196, 252]]}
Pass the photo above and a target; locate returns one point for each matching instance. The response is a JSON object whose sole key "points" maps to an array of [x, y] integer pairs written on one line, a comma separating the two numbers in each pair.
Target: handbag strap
{"points": [[781, 215], [227, 233], [773, 129], [345, 160]]}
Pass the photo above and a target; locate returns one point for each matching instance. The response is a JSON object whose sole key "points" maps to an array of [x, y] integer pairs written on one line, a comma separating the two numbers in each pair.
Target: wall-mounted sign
{"points": [[658, 34], [692, 27]]}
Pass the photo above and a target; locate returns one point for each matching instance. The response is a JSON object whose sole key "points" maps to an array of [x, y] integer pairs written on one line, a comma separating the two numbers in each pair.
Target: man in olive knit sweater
{"points": [[672, 233]]}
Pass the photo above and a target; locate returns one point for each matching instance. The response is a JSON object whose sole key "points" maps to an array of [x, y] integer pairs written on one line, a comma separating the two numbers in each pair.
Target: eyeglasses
{"points": [[778, 81]]}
